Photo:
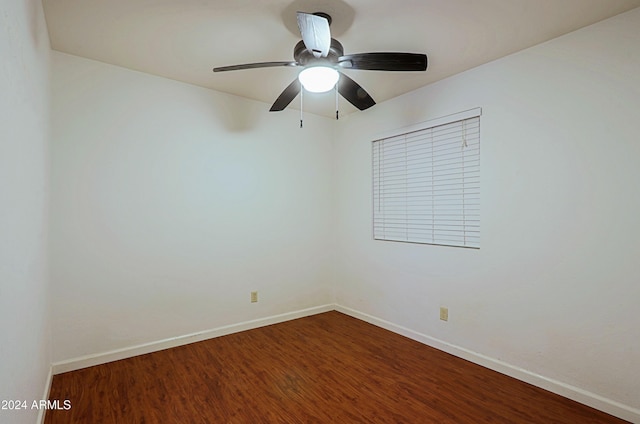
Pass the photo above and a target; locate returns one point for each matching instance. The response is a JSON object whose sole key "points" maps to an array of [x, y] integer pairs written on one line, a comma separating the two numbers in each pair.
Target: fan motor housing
{"points": [[304, 57]]}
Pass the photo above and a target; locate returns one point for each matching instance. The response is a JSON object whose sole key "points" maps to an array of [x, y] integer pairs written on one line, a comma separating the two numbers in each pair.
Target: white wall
{"points": [[170, 203], [24, 141], [554, 288]]}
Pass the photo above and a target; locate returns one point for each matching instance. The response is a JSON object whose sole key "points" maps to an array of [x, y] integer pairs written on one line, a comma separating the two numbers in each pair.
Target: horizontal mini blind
{"points": [[426, 185]]}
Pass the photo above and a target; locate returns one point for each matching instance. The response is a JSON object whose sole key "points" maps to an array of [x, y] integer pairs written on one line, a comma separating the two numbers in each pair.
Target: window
{"points": [[426, 183]]}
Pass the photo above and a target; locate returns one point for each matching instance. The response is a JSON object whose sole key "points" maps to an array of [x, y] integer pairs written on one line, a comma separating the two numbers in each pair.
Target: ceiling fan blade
{"points": [[286, 96], [253, 66], [384, 61], [356, 95], [315, 33]]}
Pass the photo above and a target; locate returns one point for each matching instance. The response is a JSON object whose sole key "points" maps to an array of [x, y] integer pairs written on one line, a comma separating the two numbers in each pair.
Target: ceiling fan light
{"points": [[318, 79]]}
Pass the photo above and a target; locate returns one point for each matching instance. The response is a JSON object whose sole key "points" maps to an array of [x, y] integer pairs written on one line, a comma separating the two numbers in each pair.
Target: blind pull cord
{"points": [[464, 136]]}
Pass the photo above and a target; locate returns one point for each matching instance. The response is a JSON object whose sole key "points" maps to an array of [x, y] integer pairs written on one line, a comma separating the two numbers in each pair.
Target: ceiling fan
{"points": [[322, 57]]}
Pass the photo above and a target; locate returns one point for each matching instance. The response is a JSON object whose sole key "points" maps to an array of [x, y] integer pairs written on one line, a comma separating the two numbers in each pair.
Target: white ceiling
{"points": [[184, 39]]}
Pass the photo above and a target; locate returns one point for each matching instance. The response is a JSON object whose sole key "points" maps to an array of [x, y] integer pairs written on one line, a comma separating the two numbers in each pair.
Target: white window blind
{"points": [[426, 184]]}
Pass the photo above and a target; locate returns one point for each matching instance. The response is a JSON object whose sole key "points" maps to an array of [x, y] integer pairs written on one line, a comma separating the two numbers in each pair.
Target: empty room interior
{"points": [[149, 205]]}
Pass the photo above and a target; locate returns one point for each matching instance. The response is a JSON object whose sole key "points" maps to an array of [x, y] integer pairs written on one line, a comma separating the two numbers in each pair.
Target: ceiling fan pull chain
{"points": [[337, 114], [301, 104]]}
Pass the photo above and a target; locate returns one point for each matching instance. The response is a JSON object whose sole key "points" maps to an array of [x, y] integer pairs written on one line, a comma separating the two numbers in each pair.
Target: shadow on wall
{"points": [[237, 114], [37, 25]]}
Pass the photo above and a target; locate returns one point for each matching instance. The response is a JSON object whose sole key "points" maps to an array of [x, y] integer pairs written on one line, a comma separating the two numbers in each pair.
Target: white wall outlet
{"points": [[444, 313], [254, 296]]}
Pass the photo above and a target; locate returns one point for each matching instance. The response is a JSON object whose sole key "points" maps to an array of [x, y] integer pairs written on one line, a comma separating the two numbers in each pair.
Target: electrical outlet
{"points": [[254, 296], [444, 313]]}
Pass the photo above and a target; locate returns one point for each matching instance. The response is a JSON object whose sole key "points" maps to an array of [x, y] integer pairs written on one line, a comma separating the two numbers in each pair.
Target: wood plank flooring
{"points": [[327, 368]]}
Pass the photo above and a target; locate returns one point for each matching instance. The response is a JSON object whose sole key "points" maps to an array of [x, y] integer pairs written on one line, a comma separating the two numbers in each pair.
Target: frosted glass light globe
{"points": [[318, 79]]}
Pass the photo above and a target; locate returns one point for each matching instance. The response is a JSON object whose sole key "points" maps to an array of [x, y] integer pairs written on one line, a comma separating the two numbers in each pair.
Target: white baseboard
{"points": [[575, 393], [115, 355], [47, 389]]}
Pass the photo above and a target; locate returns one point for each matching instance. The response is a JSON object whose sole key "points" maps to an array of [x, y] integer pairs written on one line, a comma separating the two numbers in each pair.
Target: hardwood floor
{"points": [[327, 368]]}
